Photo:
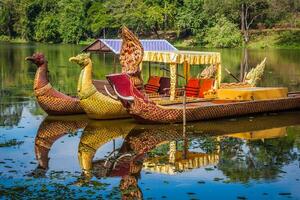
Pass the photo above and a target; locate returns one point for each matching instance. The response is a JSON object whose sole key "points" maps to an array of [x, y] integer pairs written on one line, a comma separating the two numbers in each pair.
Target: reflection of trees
{"points": [[10, 112], [243, 161]]}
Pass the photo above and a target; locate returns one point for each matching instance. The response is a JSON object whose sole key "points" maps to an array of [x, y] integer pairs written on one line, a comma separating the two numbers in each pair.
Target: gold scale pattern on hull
{"points": [[95, 104], [56, 103]]}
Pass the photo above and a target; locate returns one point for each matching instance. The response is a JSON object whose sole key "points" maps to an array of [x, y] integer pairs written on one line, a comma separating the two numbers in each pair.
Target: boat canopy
{"points": [[114, 46], [187, 58]]}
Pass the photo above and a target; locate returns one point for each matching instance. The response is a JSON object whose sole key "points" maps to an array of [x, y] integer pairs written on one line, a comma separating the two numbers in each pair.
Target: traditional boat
{"points": [[51, 101], [215, 102], [95, 104], [254, 100]]}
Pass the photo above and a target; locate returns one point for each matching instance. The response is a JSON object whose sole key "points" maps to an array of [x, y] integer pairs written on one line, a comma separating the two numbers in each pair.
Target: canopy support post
{"points": [[219, 76], [186, 68], [173, 81], [115, 66]]}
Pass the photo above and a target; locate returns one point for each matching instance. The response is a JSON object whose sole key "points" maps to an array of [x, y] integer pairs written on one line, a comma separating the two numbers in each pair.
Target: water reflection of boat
{"points": [[166, 149], [50, 130], [52, 101], [97, 134]]}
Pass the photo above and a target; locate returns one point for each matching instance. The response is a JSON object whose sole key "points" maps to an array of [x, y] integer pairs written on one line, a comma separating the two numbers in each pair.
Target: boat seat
{"points": [[192, 87], [206, 84], [196, 87], [153, 85], [164, 84], [99, 84]]}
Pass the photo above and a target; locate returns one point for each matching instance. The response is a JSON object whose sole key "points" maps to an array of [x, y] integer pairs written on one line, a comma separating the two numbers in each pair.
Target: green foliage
{"points": [[98, 19], [276, 39], [4, 38], [223, 34], [47, 29], [289, 38], [70, 21], [71, 26], [192, 17]]}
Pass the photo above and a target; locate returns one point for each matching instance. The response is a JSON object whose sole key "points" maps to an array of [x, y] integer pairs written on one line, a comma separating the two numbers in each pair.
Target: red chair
{"points": [[192, 87], [153, 85], [205, 85]]}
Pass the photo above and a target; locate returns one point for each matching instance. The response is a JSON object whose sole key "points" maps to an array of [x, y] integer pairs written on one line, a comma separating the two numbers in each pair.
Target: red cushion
{"points": [[205, 85], [151, 86], [192, 87], [154, 80], [123, 85], [193, 83]]}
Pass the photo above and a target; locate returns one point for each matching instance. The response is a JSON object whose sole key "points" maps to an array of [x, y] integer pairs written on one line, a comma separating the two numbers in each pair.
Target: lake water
{"points": [[252, 157]]}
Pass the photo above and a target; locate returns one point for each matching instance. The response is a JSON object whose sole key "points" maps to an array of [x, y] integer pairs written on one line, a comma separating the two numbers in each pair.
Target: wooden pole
{"points": [[184, 125], [233, 76], [149, 66], [115, 67], [114, 146]]}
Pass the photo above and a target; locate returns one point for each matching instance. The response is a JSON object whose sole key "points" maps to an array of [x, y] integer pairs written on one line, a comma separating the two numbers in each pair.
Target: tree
{"points": [[223, 34], [191, 17], [250, 11], [71, 27], [47, 29], [98, 18], [8, 18]]}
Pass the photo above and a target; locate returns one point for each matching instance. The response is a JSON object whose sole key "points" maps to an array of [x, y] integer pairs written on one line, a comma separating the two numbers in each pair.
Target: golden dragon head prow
{"points": [[82, 59]]}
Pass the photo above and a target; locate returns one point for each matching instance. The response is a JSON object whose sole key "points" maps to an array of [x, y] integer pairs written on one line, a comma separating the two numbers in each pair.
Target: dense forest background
{"points": [[210, 23]]}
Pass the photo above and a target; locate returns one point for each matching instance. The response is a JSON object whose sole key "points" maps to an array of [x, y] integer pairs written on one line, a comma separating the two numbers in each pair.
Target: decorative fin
{"points": [[208, 72], [129, 98], [132, 52], [256, 73], [109, 94], [131, 56]]}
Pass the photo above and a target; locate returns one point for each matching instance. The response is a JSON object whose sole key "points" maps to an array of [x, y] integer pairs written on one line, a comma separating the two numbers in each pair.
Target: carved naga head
{"points": [[131, 54], [37, 58], [82, 59]]}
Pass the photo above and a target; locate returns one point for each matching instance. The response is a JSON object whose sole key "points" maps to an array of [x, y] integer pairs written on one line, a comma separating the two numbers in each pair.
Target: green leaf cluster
{"points": [[223, 34], [206, 22]]}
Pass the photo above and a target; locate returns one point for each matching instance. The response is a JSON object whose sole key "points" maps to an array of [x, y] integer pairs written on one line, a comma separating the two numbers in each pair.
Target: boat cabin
{"points": [[195, 87]]}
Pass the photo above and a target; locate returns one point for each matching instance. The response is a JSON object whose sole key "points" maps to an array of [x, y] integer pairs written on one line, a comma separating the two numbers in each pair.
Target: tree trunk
{"points": [[244, 28], [243, 18], [244, 64]]}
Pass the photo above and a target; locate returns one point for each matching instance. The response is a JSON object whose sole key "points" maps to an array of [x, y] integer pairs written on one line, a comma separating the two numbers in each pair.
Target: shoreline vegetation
{"points": [[260, 39], [185, 23]]}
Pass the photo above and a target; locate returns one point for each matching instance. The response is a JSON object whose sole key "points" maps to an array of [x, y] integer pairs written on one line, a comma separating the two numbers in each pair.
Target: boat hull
{"points": [[100, 106], [54, 102], [151, 113]]}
